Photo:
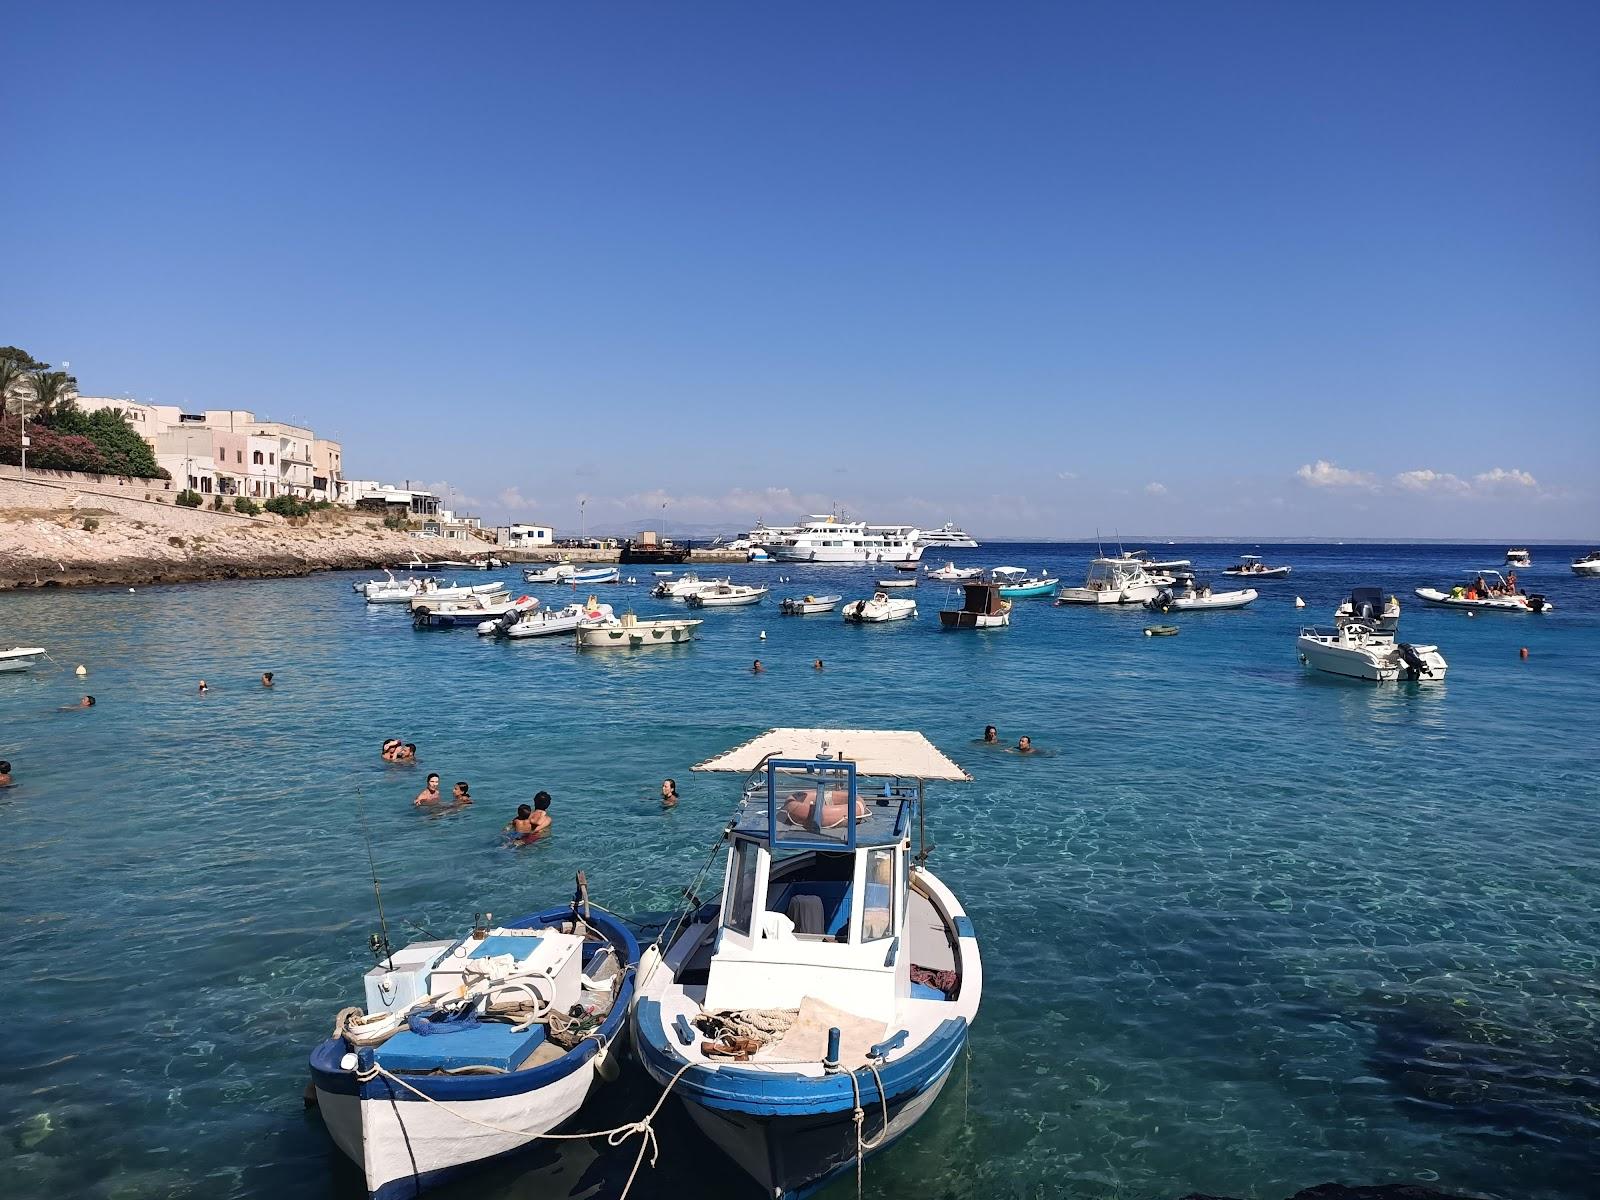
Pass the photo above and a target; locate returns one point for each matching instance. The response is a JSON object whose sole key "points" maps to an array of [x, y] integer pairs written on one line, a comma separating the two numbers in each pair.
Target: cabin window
{"points": [[743, 901], [877, 902]]}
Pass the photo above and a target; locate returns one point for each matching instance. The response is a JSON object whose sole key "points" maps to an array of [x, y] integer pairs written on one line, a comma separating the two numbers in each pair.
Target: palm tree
{"points": [[53, 393], [12, 372]]}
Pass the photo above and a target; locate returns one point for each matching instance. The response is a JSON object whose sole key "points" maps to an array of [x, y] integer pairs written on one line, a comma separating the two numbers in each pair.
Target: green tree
{"points": [[15, 363], [53, 392]]}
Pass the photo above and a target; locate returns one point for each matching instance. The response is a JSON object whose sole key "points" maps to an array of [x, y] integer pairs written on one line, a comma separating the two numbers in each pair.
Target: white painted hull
{"points": [[1264, 573], [1379, 662], [1216, 600], [713, 599], [865, 612], [395, 1142], [638, 636], [20, 659], [1586, 567], [848, 554], [1135, 593], [805, 607]]}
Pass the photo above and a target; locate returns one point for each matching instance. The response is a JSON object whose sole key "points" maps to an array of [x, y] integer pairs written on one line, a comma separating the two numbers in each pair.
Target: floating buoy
{"points": [[1524, 652], [1299, 603], [83, 670], [130, 589], [763, 635]]}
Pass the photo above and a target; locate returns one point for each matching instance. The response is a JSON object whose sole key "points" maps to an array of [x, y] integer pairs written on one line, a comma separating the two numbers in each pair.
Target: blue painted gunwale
{"points": [[787, 1094], [330, 1077]]}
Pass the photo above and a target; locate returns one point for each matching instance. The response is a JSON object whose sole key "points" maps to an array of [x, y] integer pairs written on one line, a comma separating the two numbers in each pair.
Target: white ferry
{"points": [[826, 539], [949, 537]]}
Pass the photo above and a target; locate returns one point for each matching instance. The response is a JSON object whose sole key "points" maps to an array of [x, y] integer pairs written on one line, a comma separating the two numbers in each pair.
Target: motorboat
{"points": [[726, 595], [950, 573], [1251, 565], [1161, 631], [685, 586], [1361, 652], [804, 606], [1167, 566], [809, 1015], [906, 566], [826, 539], [418, 563], [757, 555], [590, 576], [561, 572], [896, 582], [407, 591], [20, 658], [1115, 580], [1366, 606], [537, 623], [412, 1108], [1016, 583], [1490, 591], [428, 613], [982, 607], [948, 537], [1185, 594], [648, 548], [880, 608], [627, 632], [1589, 564], [1519, 557]]}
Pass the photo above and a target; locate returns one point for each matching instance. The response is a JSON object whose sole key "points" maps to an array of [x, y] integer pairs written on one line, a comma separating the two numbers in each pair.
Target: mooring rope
{"points": [[859, 1116]]}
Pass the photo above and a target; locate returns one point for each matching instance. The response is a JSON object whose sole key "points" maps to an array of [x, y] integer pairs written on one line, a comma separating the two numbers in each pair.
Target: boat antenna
{"points": [[381, 947]]}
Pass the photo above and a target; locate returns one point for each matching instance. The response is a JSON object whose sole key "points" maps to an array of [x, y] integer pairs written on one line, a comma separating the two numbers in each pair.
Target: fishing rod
{"points": [[381, 947]]}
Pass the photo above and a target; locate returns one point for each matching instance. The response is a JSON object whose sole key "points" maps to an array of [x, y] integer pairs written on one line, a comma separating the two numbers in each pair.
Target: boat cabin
{"points": [[816, 893]]}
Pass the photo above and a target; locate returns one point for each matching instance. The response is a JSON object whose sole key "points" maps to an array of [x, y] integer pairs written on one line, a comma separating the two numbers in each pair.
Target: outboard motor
{"points": [[1164, 599], [1416, 665], [1536, 603]]}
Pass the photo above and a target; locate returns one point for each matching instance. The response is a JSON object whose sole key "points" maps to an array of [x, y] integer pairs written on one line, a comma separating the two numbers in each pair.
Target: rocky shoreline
{"points": [[83, 547]]}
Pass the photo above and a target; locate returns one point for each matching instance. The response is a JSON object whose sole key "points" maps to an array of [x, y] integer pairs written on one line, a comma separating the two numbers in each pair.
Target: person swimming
{"points": [[669, 793], [5, 773], [817, 666], [756, 668], [522, 824], [460, 794], [430, 792], [390, 747], [1025, 745], [266, 679], [991, 735], [86, 702], [202, 687]]}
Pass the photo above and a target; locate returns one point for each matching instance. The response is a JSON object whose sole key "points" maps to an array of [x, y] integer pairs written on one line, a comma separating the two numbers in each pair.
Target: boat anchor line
{"points": [[643, 1128]]}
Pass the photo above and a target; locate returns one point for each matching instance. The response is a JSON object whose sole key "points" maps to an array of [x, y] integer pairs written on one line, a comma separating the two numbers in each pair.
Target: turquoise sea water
{"points": [[1245, 928]]}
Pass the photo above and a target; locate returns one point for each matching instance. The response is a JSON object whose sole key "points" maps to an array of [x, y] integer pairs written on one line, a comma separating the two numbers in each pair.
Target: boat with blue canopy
{"points": [[474, 1048], [810, 1015]]}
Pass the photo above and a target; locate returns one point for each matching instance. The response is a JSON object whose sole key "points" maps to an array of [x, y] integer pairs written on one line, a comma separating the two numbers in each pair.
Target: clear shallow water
{"points": [[1246, 928]]}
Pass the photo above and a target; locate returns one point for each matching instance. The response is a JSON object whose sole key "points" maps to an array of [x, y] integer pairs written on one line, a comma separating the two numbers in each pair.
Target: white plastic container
{"points": [[550, 961], [402, 978]]}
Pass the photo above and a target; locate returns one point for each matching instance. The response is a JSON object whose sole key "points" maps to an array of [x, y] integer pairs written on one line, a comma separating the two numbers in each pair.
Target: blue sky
{"points": [[1263, 268]]}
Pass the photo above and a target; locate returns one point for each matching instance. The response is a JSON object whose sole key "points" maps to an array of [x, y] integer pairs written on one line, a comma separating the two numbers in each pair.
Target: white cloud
{"points": [[1066, 474], [1499, 477], [511, 499], [1156, 489], [1425, 480], [1323, 473]]}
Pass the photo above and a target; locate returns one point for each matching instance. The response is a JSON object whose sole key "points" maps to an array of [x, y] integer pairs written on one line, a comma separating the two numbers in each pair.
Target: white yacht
{"points": [[1589, 564], [826, 539], [1115, 581], [948, 537], [1360, 652], [1518, 556]]}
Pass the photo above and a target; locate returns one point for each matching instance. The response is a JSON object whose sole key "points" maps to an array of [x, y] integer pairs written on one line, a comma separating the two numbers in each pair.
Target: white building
{"points": [[522, 536]]}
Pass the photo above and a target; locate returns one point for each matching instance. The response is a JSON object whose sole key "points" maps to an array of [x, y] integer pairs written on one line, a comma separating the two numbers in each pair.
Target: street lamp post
{"points": [[582, 539], [22, 394]]}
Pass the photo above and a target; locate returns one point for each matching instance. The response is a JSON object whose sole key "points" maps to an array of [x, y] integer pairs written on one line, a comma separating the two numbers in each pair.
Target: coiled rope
{"points": [[643, 1127]]}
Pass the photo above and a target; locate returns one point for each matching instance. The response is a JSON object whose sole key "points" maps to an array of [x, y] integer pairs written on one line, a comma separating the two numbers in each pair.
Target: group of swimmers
{"points": [[396, 751], [991, 737], [531, 823], [266, 681], [757, 669], [460, 795]]}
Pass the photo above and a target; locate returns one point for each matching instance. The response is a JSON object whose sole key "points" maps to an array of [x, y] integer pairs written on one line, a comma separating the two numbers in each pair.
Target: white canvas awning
{"points": [[903, 752]]}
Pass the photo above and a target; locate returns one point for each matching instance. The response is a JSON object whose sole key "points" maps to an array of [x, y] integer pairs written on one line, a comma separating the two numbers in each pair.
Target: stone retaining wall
{"points": [[126, 501]]}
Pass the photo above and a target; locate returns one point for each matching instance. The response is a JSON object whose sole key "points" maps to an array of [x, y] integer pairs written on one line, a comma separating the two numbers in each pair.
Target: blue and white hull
{"points": [[411, 1128]]}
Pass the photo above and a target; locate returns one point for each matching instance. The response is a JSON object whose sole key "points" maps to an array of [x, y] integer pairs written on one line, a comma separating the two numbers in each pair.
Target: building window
{"points": [[256, 458], [238, 456], [271, 461]]}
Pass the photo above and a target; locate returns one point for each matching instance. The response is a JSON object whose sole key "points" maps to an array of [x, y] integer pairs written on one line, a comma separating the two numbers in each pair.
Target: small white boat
{"points": [[1186, 595], [559, 572], [1589, 564], [20, 658], [662, 574], [593, 575], [407, 591], [727, 595], [537, 623], [1360, 652], [902, 582], [429, 613], [1489, 591], [800, 606], [1366, 606], [1518, 556], [862, 964], [982, 607], [878, 609], [418, 563], [757, 555], [1251, 565], [950, 573], [411, 1108], [627, 632], [1115, 580], [686, 585]]}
